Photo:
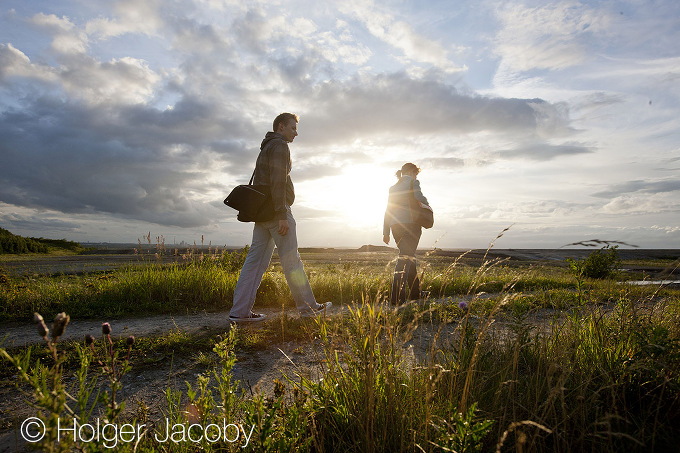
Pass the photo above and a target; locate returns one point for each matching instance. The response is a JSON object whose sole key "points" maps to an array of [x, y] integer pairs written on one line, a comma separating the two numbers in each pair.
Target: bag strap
{"points": [[252, 178]]}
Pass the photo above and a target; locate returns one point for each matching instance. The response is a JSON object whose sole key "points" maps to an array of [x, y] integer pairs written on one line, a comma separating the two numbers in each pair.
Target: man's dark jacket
{"points": [[273, 169]]}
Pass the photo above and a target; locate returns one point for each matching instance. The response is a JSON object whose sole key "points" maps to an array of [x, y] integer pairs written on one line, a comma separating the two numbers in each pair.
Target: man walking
{"points": [[273, 169]]}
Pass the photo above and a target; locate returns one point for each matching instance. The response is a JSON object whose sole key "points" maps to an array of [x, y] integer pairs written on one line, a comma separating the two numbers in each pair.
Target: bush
{"points": [[10, 243], [600, 264]]}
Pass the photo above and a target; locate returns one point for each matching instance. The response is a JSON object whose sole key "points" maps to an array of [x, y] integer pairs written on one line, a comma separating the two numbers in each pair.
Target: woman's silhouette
{"points": [[406, 233]]}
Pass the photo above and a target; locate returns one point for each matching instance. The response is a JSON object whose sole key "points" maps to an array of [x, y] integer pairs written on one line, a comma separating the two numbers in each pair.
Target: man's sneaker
{"points": [[319, 310], [254, 317], [423, 296]]}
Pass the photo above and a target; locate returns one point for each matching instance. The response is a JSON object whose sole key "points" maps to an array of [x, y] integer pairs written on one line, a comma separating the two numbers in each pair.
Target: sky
{"points": [[558, 119]]}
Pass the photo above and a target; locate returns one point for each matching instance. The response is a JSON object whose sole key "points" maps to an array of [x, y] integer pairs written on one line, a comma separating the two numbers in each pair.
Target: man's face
{"points": [[288, 130]]}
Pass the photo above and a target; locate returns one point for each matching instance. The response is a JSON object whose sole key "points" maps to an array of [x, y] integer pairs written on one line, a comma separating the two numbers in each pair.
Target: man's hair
{"points": [[284, 118]]}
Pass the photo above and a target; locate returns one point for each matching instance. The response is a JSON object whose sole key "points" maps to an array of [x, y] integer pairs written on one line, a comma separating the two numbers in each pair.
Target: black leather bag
{"points": [[422, 214], [253, 202]]}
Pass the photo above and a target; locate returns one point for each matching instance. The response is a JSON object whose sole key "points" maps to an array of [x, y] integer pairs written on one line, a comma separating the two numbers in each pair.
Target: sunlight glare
{"points": [[358, 196]]}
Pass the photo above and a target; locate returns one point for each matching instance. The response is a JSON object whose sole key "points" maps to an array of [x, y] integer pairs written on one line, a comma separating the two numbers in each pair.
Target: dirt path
{"points": [[144, 387], [24, 333]]}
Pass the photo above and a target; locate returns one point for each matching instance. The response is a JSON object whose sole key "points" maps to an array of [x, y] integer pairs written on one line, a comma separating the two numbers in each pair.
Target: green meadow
{"points": [[521, 355]]}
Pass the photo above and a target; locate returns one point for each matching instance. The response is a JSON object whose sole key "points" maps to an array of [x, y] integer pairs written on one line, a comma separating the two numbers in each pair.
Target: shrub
{"points": [[599, 264]]}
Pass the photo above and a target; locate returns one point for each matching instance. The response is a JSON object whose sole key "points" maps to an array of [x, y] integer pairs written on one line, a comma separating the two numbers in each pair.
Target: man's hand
{"points": [[386, 239], [283, 227]]}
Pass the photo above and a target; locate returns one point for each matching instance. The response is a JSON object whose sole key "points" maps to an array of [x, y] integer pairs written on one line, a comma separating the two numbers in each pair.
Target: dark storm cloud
{"points": [[641, 186], [136, 162]]}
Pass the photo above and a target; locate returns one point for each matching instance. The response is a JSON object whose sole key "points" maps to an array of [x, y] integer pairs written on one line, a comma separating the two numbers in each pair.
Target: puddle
{"points": [[652, 282]]}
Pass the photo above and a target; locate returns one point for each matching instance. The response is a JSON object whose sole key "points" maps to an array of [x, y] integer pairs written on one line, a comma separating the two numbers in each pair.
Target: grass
{"points": [[603, 375], [207, 284]]}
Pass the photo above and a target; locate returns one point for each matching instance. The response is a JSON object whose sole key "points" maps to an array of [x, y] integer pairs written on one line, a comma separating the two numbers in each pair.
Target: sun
{"points": [[357, 197]]}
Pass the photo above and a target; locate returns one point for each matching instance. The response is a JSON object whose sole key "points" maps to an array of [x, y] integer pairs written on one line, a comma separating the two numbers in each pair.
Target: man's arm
{"points": [[279, 158]]}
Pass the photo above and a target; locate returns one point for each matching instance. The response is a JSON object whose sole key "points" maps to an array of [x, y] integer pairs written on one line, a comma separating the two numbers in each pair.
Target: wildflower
{"points": [[59, 324], [463, 305], [89, 339], [130, 340], [42, 327], [106, 328]]}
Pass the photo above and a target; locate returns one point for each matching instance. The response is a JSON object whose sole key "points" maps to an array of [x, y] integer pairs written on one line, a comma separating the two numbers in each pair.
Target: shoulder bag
{"points": [[422, 214], [252, 201]]}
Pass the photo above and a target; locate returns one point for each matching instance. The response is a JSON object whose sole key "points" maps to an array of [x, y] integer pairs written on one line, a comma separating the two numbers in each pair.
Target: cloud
{"points": [[312, 172], [137, 163], [551, 36], [67, 39], [37, 222], [149, 111], [642, 186], [16, 68], [649, 203], [544, 151], [442, 163], [400, 35], [385, 103], [125, 80], [131, 16], [119, 81]]}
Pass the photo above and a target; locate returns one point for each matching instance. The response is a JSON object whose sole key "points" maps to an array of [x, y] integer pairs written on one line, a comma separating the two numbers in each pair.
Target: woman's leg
{"points": [[405, 272], [398, 280], [406, 282], [414, 232]]}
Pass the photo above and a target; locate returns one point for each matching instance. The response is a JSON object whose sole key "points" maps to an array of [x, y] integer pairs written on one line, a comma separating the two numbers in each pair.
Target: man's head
{"points": [[286, 125]]}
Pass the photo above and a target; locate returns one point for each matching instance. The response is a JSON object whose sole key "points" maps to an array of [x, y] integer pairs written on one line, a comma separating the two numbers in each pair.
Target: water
{"points": [[653, 282]]}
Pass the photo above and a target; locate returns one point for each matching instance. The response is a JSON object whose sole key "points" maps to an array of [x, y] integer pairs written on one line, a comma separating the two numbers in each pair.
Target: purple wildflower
{"points": [[463, 305]]}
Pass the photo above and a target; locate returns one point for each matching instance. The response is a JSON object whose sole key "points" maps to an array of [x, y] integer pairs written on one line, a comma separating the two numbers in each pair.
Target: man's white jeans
{"points": [[265, 237]]}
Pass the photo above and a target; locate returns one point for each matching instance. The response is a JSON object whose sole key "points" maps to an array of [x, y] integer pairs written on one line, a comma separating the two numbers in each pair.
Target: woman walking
{"points": [[406, 233]]}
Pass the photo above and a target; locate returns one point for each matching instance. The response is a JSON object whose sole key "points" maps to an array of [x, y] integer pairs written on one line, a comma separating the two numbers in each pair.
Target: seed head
{"points": [[106, 328], [279, 388], [43, 331], [59, 324], [89, 339], [130, 340]]}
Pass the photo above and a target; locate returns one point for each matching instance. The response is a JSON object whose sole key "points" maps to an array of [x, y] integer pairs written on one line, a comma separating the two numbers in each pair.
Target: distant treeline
{"points": [[11, 243]]}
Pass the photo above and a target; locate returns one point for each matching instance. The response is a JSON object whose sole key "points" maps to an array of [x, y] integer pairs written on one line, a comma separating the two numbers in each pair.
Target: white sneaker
{"points": [[320, 310]]}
